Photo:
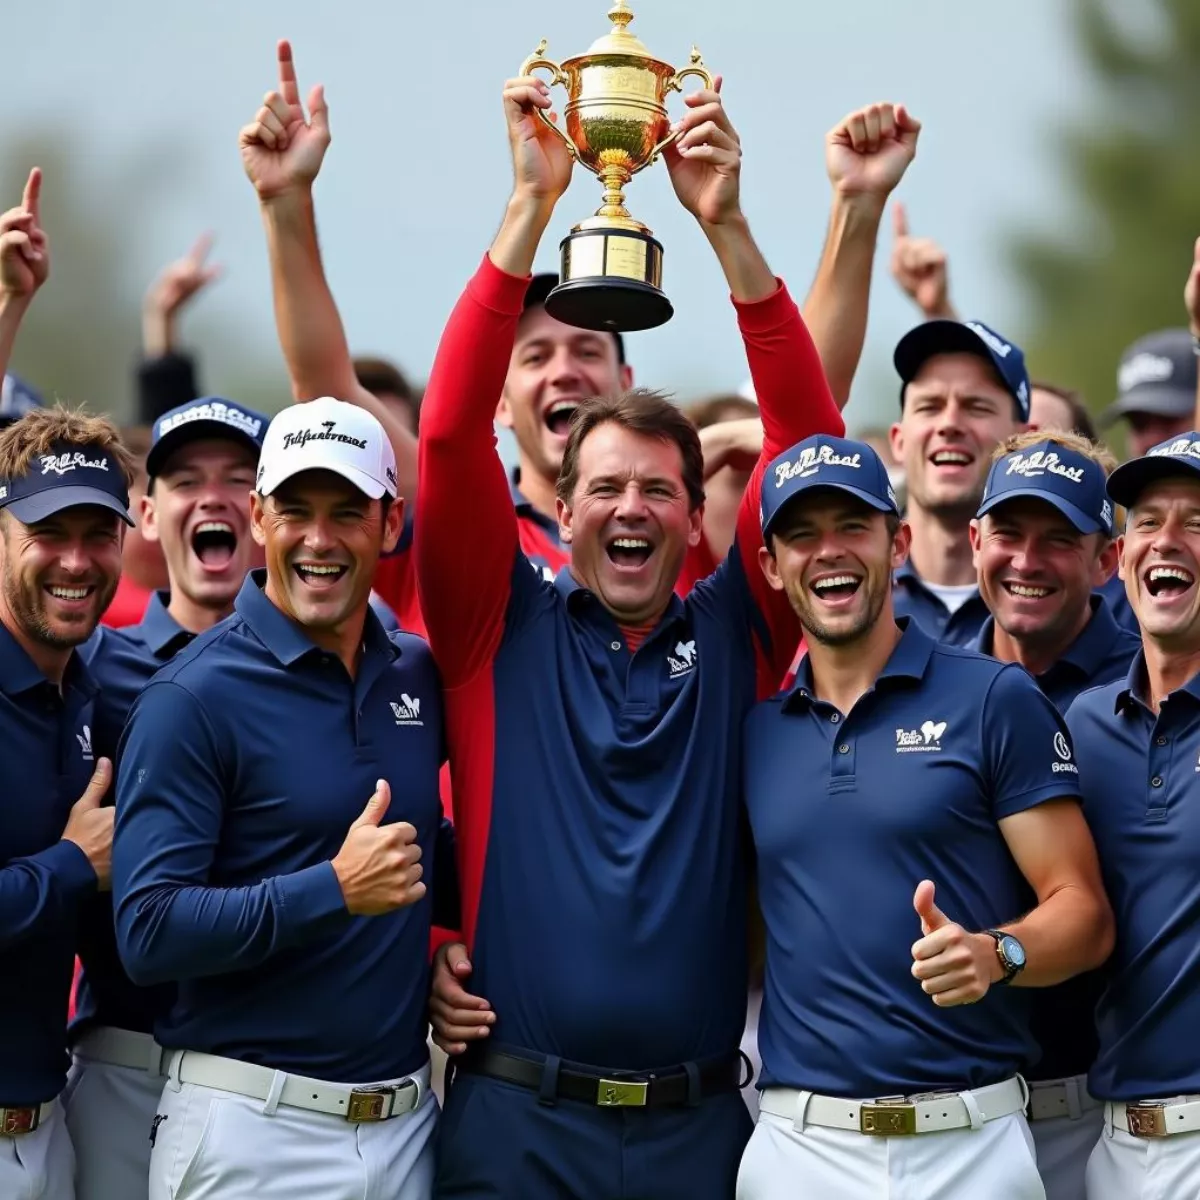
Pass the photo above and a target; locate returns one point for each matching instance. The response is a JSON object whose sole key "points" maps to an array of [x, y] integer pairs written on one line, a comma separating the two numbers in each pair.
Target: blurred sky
{"points": [[415, 182]]}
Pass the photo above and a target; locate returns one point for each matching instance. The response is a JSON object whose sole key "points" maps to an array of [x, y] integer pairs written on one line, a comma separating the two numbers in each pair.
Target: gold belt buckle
{"points": [[622, 1093], [892, 1116], [368, 1104], [16, 1121], [1146, 1120]]}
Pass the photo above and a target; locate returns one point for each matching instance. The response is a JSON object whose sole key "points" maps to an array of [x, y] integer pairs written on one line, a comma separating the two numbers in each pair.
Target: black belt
{"points": [[670, 1087]]}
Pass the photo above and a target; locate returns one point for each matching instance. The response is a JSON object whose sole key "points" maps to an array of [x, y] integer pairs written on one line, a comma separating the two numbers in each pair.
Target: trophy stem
{"points": [[614, 179]]}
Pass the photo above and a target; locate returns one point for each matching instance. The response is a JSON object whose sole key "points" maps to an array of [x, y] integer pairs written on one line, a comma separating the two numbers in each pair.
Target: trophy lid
{"points": [[620, 40]]}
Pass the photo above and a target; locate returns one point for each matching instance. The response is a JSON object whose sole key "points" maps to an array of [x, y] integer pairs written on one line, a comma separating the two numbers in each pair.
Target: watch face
{"points": [[1013, 951]]}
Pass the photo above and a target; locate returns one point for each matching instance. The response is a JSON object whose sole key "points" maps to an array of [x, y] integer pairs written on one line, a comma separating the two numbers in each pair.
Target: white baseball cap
{"points": [[328, 435]]}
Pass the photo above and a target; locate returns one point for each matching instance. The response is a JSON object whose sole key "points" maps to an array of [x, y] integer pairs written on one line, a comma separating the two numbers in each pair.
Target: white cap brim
{"points": [[370, 487]]}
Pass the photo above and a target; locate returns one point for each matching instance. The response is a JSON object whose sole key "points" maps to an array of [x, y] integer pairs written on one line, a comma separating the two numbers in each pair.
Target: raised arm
{"points": [[171, 924], [920, 267], [1191, 299], [24, 263], [866, 156], [282, 152], [462, 490]]}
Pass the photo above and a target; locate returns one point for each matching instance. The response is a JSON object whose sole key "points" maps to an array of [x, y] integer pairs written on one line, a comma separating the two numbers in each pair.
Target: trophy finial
{"points": [[620, 15]]}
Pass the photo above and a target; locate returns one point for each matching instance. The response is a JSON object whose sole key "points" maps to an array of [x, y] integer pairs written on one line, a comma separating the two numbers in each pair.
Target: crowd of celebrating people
{"points": [[378, 824]]}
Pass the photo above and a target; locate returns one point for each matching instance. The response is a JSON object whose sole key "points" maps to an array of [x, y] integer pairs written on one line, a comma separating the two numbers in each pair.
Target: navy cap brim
{"points": [[872, 501], [29, 510], [193, 431], [1127, 482], [1154, 402], [1082, 521]]}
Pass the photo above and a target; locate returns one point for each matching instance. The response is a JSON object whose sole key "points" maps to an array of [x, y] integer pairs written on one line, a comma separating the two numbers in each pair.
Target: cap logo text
{"points": [[1042, 462], [995, 344], [811, 460], [1179, 448], [1144, 368], [225, 414], [62, 464], [326, 433]]}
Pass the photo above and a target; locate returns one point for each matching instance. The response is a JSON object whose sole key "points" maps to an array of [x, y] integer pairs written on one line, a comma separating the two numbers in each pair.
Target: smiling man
{"points": [[1137, 740], [247, 872], [964, 390], [593, 727], [201, 468], [1043, 542], [906, 799]]}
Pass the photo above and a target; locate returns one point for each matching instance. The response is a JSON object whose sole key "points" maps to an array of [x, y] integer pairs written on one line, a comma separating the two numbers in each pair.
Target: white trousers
{"points": [[994, 1162], [750, 1050], [217, 1145], [1123, 1167], [1064, 1143], [39, 1165], [110, 1114]]}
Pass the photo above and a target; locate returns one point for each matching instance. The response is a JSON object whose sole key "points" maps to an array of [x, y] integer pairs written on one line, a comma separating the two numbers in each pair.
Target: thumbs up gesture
{"points": [[90, 827], [954, 966], [379, 866]]}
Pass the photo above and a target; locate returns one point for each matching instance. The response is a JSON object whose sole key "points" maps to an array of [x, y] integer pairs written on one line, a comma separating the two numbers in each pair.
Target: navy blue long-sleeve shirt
{"points": [[46, 760], [242, 767]]}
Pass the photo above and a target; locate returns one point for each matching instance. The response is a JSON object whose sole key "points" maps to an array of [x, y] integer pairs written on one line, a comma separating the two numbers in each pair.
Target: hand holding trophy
{"points": [[616, 125]]}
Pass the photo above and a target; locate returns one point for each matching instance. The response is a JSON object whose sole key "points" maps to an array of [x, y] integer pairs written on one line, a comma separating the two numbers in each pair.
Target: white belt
{"points": [[1156, 1119], [1050, 1098], [121, 1048], [17, 1119], [891, 1116], [357, 1104]]}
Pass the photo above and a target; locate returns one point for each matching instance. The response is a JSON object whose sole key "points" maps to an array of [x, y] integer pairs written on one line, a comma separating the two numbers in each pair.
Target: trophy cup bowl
{"points": [[616, 125]]}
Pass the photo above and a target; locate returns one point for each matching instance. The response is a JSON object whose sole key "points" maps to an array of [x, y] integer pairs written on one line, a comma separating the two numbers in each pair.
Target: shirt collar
{"points": [[162, 634], [909, 660], [19, 673], [1134, 690], [577, 598], [284, 638], [1086, 654], [525, 510]]}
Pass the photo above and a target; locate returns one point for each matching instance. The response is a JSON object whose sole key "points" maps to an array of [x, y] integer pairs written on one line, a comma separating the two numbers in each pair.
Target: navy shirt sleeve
{"points": [[1027, 749], [447, 903], [171, 924], [42, 891]]}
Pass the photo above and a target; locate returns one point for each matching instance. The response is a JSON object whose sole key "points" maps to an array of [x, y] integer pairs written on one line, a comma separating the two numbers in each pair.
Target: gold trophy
{"points": [[616, 125]]}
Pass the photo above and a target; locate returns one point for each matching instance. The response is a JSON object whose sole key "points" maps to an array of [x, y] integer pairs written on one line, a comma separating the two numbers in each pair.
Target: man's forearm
{"points": [[516, 242], [310, 328], [838, 302], [746, 270], [1068, 933], [12, 312]]}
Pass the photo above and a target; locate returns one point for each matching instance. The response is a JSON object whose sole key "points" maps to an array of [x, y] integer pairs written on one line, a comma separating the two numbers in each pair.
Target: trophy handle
{"points": [[537, 61], [695, 67]]}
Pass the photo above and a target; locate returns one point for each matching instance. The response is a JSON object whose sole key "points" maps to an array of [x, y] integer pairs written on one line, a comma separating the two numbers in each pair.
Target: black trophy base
{"points": [[610, 282]]}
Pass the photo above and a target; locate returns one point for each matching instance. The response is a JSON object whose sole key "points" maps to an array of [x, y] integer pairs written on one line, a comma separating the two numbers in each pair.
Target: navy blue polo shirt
{"points": [[1140, 777], [849, 813], [47, 757], [912, 598], [1062, 1015], [243, 765], [121, 661]]}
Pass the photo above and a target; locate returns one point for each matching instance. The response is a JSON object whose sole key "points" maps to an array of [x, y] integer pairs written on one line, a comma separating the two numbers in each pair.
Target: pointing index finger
{"points": [[899, 220], [33, 193], [288, 87]]}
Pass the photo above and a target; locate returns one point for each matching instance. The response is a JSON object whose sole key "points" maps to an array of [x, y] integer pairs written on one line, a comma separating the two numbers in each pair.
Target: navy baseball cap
{"points": [[1156, 376], [16, 399], [825, 462], [1050, 471], [540, 286], [68, 477], [208, 417], [919, 345], [1176, 456]]}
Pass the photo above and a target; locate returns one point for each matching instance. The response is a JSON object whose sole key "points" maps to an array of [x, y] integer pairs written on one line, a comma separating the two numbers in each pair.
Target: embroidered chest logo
{"points": [[408, 710], [682, 660], [926, 740], [85, 743], [1063, 749]]}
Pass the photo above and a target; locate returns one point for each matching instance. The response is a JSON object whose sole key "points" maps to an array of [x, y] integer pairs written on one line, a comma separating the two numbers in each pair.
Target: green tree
{"points": [[1117, 270]]}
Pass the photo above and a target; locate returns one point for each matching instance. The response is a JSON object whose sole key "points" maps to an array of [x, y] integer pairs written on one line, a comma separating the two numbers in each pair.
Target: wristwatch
{"points": [[1010, 952]]}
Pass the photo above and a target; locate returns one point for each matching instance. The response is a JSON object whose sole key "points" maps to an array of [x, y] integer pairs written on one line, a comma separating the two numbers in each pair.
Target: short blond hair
{"points": [[38, 432], [1083, 446]]}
